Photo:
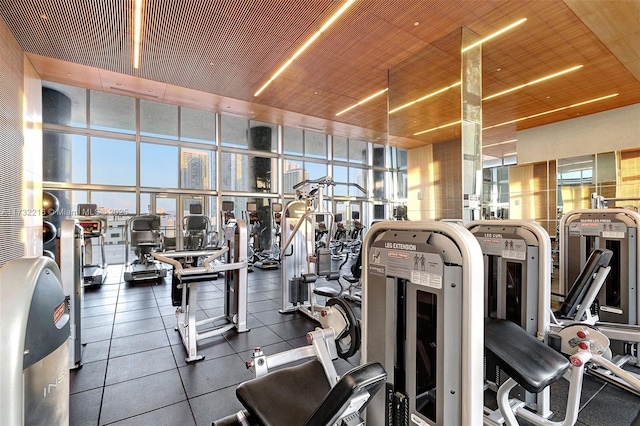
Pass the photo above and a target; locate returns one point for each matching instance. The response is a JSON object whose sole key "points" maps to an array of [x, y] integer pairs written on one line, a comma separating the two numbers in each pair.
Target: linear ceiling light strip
{"points": [[497, 33], [437, 128], [137, 32], [552, 111], [311, 39], [365, 100], [577, 67], [425, 97]]}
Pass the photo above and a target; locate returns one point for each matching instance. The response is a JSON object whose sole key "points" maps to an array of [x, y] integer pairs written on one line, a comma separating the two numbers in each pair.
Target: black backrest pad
{"points": [[363, 378], [599, 258], [524, 358]]}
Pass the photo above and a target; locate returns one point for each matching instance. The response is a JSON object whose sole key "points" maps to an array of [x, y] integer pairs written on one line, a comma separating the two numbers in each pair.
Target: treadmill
{"points": [[95, 228]]}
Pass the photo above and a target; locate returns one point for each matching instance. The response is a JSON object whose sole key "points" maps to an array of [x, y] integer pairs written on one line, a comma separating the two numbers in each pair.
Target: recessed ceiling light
{"points": [[137, 32], [69, 74], [415, 24], [210, 63], [44, 16], [499, 69]]}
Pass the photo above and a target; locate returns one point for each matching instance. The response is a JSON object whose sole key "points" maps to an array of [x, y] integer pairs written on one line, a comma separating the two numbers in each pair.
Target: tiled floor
{"points": [[134, 372]]}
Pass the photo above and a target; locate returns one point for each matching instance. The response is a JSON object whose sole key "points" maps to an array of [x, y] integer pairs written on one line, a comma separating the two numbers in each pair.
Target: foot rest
{"points": [[309, 278], [285, 397], [333, 276], [326, 291], [527, 360]]}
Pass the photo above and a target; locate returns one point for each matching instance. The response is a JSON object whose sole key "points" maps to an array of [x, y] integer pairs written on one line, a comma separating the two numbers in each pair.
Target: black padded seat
{"points": [[301, 395], [524, 358], [326, 291], [285, 397]]}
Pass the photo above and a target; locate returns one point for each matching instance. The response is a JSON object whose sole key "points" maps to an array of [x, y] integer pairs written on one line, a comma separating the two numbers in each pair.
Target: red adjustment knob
{"points": [[309, 338], [257, 349], [576, 361], [583, 345], [323, 313], [248, 364], [582, 334]]}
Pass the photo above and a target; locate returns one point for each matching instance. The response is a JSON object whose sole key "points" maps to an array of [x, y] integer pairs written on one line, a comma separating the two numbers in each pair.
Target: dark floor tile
{"points": [[139, 364], [136, 305], [253, 322], [215, 405], [134, 397], [288, 330], [599, 412], [260, 336], [84, 407], [96, 334], [122, 346], [137, 315], [171, 415], [136, 296], [263, 305], [207, 376], [255, 297], [211, 303], [89, 376], [99, 301], [274, 317], [167, 309], [211, 348], [97, 321], [137, 327], [96, 351], [98, 310], [274, 295]]}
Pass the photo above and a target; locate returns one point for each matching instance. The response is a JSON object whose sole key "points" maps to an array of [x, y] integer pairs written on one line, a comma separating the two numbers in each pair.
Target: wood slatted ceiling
{"points": [[222, 51]]}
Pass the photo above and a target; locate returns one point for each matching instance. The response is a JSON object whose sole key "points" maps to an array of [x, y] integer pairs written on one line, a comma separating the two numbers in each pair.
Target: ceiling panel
{"points": [[215, 54]]}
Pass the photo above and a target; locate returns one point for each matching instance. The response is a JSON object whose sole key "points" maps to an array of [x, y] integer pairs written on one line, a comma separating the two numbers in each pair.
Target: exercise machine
{"points": [[517, 287], [259, 256], [188, 279], [33, 344], [423, 321], [142, 233], [196, 228], [618, 300], [303, 259], [582, 231], [311, 392], [95, 228], [519, 354], [69, 259]]}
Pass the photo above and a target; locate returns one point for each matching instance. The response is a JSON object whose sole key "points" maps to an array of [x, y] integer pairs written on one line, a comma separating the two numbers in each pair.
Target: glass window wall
{"points": [[113, 161], [158, 120], [113, 113], [234, 131], [197, 126], [159, 165]]}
